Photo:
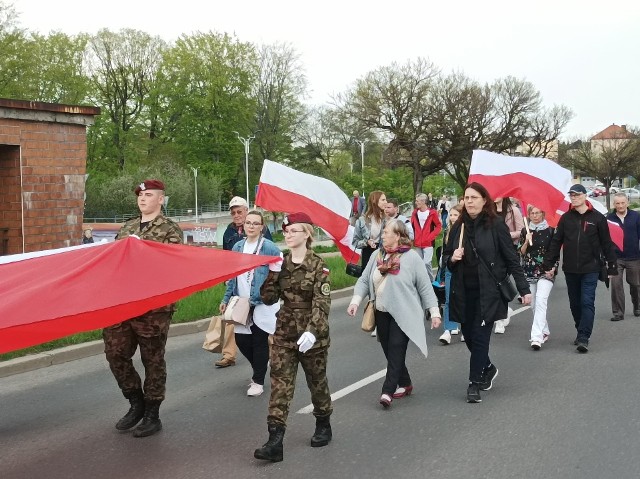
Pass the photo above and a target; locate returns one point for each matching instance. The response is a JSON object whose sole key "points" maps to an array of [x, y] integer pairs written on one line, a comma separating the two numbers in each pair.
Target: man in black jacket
{"points": [[584, 233]]}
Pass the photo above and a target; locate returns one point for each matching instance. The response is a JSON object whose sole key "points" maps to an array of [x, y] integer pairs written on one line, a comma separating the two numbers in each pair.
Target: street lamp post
{"points": [[361, 143], [195, 180], [246, 142]]}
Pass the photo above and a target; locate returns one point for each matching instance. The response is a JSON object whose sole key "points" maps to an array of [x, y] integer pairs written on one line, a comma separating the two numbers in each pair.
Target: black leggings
{"points": [[255, 347]]}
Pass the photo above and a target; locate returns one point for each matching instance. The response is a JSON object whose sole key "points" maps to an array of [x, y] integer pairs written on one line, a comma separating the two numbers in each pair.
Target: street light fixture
{"points": [[246, 142], [195, 180], [361, 143]]}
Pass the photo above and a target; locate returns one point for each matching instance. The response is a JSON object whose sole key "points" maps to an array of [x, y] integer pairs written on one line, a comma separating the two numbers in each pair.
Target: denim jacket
{"points": [[259, 274]]}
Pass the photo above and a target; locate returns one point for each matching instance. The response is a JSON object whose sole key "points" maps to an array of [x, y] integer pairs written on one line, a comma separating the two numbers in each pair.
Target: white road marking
{"points": [[374, 377]]}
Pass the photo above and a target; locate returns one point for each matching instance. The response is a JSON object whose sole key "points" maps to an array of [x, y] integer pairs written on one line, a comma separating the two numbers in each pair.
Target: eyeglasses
{"points": [[236, 212], [254, 223], [291, 232], [536, 212]]}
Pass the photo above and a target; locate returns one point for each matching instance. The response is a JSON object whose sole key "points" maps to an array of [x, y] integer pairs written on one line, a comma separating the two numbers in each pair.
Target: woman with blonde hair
{"points": [[368, 229], [450, 327], [397, 281]]}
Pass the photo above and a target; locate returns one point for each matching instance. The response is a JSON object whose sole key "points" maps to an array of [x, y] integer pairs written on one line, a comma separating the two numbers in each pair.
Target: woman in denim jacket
{"points": [[253, 339]]}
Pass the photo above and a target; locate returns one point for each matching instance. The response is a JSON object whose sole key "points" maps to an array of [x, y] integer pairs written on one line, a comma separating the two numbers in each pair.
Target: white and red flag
{"points": [[284, 189], [55, 293], [534, 181]]}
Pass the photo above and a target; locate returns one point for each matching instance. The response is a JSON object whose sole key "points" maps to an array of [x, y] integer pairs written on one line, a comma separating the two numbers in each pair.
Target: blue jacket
{"points": [[631, 230], [259, 274]]}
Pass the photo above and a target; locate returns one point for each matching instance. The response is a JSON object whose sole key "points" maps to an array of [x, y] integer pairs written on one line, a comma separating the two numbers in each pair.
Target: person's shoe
{"points": [[575, 342], [507, 320], [385, 400], [488, 375], [545, 338], [255, 389], [151, 423], [636, 312], [445, 338], [582, 347], [462, 338], [455, 332], [135, 413], [272, 450], [403, 391], [374, 333], [617, 318], [473, 393], [322, 435], [536, 345], [225, 363], [499, 327]]}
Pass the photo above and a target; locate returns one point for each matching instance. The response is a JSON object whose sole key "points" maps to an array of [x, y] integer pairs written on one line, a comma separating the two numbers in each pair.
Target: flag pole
{"points": [[461, 235], [526, 225]]}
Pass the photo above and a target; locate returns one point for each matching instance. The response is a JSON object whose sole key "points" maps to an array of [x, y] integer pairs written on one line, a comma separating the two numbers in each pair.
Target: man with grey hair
{"points": [[426, 228], [357, 207], [628, 258]]}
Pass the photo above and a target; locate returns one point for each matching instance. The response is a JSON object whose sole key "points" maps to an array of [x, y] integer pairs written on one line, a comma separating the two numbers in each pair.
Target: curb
{"points": [[93, 348]]}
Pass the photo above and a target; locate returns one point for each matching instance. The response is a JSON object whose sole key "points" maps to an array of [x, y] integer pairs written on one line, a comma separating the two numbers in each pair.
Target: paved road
{"points": [[552, 414]]}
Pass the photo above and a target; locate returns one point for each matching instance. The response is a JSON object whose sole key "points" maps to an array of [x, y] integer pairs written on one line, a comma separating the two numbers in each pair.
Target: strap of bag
{"points": [[482, 261]]}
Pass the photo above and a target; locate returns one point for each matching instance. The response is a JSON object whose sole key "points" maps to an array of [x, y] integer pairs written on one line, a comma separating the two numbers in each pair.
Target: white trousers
{"points": [[539, 296]]}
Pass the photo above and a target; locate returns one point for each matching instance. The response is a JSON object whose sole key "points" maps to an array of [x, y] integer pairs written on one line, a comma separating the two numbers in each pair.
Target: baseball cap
{"points": [[296, 218], [578, 188], [237, 201], [149, 185]]}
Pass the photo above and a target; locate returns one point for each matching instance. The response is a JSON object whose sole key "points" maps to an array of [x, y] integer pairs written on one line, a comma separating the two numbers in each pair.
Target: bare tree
{"points": [[544, 130]]}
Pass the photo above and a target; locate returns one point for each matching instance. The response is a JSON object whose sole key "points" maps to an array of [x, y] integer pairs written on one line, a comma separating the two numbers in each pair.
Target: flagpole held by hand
{"points": [[461, 235], [526, 225]]}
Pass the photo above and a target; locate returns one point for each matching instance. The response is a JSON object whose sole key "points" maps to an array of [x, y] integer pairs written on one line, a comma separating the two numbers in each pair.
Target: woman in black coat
{"points": [[474, 299]]}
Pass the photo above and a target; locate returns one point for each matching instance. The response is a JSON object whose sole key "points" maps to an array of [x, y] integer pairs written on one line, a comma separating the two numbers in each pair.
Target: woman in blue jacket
{"points": [[253, 339]]}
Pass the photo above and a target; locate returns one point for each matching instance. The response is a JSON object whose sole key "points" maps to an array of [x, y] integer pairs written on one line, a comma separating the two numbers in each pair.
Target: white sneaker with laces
{"points": [[499, 327], [446, 337], [255, 389], [455, 331]]}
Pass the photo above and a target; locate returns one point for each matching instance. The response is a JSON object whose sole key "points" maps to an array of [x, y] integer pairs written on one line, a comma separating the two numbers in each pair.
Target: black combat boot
{"points": [[136, 411], [272, 449], [151, 422], [323, 435]]}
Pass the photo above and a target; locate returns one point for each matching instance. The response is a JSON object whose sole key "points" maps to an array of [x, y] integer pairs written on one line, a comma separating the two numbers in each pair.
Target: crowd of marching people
{"points": [[492, 252]]}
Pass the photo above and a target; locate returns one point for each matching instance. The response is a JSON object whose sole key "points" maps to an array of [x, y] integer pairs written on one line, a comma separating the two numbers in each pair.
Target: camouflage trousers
{"points": [[284, 368], [150, 332]]}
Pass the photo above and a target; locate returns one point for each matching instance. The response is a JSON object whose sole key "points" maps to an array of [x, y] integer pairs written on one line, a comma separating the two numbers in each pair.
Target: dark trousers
{"points": [[394, 344], [476, 335], [366, 254], [255, 347], [582, 302]]}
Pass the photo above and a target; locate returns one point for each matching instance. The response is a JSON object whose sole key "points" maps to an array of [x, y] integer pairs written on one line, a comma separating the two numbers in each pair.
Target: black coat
{"points": [[493, 243]]}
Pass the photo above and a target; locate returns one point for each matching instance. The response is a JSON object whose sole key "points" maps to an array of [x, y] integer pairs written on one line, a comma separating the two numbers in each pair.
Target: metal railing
{"points": [[182, 213]]}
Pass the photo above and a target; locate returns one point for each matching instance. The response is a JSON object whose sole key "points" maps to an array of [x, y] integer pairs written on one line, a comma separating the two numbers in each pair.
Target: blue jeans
{"points": [[448, 325], [582, 302]]}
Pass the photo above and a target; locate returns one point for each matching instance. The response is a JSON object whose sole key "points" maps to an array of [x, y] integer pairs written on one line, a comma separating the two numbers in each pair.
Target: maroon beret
{"points": [[296, 218], [149, 185]]}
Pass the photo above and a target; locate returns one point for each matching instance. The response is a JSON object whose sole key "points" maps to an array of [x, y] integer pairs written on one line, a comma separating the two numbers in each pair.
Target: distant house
{"points": [[612, 136]]}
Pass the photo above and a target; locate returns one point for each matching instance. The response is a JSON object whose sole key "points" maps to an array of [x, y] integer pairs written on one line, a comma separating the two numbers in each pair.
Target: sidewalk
{"points": [[79, 351]]}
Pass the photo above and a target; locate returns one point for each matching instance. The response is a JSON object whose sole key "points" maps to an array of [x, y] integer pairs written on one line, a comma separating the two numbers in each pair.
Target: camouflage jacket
{"points": [[160, 229], [306, 293]]}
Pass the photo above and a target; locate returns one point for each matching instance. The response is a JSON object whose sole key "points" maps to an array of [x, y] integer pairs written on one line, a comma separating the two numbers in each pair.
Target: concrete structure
{"points": [[43, 152]]}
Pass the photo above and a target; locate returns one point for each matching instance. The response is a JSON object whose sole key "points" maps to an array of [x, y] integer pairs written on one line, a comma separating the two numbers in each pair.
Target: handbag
{"points": [[353, 269], [506, 287], [214, 337], [368, 317], [237, 310]]}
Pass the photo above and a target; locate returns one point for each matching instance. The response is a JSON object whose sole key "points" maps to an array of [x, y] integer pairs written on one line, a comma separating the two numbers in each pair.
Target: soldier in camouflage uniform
{"points": [[301, 335], [149, 331]]}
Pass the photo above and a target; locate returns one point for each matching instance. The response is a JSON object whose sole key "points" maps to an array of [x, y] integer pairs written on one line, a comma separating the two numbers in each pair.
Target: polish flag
{"points": [[534, 181], [284, 189]]}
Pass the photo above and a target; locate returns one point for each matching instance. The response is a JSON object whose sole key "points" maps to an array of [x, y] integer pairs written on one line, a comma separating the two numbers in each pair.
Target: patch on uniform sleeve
{"points": [[326, 289], [325, 271]]}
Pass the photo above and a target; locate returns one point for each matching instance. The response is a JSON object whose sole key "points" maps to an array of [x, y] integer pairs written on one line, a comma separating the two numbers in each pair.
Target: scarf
{"points": [[389, 259], [543, 225]]}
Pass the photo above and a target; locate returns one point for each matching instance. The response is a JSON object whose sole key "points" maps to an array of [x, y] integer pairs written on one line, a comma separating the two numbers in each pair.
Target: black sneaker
{"points": [[473, 393], [582, 347], [636, 312], [488, 375], [617, 318]]}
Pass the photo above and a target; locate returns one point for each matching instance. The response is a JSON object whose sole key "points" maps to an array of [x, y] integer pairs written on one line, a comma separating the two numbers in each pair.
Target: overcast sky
{"points": [[580, 53]]}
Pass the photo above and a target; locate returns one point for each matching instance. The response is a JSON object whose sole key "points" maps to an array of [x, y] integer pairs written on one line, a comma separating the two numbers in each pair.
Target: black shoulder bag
{"points": [[507, 286]]}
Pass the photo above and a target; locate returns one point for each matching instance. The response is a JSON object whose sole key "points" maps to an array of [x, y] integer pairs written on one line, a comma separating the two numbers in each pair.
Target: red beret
{"points": [[296, 218], [149, 185]]}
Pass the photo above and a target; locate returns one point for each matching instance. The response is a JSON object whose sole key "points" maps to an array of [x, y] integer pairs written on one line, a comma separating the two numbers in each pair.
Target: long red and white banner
{"points": [[284, 189], [52, 294]]}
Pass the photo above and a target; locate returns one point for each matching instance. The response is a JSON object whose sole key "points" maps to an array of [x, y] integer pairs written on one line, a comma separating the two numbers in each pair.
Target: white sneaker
{"points": [[446, 337], [545, 337], [536, 345], [255, 390], [455, 331], [462, 338], [499, 327], [374, 333]]}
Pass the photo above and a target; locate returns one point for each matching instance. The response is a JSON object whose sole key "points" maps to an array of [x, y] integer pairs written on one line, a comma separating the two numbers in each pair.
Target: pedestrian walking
{"points": [[479, 253], [368, 229], [583, 235], [451, 327], [401, 290], [426, 228], [301, 335], [148, 331]]}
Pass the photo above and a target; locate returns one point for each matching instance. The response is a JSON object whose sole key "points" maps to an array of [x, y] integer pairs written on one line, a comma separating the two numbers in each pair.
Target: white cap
{"points": [[237, 201]]}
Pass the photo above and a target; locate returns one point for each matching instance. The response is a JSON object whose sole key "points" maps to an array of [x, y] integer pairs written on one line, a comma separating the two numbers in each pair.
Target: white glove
{"points": [[306, 341]]}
